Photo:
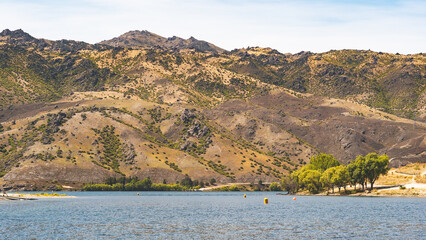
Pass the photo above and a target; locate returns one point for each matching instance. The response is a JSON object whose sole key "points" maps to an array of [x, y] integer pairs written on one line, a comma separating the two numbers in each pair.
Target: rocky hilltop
{"points": [[142, 105], [145, 39]]}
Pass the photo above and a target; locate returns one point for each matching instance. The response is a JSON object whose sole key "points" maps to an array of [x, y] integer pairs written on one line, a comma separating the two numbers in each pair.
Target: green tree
{"points": [[111, 181], [118, 187], [309, 176], [359, 174], [122, 180], [296, 175], [186, 182], [323, 161], [234, 188], [289, 184], [311, 180], [351, 171], [327, 179], [275, 187], [375, 166], [195, 183], [143, 185], [341, 177]]}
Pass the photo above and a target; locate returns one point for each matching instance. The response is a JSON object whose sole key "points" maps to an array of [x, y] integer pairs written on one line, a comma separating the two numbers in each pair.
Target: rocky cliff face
{"points": [[73, 112]]}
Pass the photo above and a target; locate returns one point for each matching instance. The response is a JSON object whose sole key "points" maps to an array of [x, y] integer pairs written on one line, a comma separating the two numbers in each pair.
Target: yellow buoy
{"points": [[265, 200], [245, 196], [294, 198], [138, 194]]}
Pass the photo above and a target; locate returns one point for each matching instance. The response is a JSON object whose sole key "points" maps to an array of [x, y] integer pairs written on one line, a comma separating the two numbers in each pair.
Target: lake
{"points": [[212, 215]]}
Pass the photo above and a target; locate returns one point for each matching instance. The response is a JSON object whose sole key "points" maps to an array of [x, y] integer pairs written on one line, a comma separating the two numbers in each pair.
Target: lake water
{"points": [[212, 215]]}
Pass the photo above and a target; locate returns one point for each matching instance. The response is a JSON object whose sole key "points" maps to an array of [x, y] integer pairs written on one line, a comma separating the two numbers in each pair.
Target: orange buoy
{"points": [[265, 200], [138, 194], [245, 196], [294, 198]]}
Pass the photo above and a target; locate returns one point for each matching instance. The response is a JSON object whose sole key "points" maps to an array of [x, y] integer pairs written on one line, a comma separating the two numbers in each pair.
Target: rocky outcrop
{"points": [[187, 115], [186, 145], [129, 153], [198, 129]]}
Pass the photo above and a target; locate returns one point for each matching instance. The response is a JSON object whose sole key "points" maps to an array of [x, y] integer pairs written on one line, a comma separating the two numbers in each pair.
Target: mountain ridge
{"points": [[147, 39], [372, 78]]}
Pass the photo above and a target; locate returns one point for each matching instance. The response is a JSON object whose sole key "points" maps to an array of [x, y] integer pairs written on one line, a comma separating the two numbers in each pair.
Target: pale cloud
{"points": [[289, 26]]}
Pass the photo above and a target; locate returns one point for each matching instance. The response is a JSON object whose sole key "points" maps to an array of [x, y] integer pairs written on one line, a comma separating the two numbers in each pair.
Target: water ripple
{"points": [[156, 215]]}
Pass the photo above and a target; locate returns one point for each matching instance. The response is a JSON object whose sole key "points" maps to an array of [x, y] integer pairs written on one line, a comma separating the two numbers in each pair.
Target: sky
{"points": [[290, 26]]}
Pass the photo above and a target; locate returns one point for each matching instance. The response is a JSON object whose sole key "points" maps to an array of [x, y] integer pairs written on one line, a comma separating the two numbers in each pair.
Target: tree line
{"points": [[325, 172], [134, 184]]}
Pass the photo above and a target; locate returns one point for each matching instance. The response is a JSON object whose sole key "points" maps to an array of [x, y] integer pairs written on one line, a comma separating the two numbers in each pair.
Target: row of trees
{"points": [[134, 184], [324, 171]]}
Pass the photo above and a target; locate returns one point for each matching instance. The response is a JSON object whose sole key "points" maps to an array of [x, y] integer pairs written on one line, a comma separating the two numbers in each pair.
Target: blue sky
{"points": [[288, 26]]}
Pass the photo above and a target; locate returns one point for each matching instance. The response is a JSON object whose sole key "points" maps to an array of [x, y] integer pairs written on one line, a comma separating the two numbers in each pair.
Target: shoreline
{"points": [[32, 196], [360, 195], [374, 194]]}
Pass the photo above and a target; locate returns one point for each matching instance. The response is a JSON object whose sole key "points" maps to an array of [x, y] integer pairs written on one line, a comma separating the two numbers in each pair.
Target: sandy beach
{"points": [[27, 196]]}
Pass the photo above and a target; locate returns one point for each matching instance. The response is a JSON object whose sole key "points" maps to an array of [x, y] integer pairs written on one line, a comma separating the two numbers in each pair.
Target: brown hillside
{"points": [[73, 112]]}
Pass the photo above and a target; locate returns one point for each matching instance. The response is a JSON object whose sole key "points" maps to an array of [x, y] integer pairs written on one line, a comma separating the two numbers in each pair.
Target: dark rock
{"points": [[198, 130], [129, 153], [186, 145], [187, 115]]}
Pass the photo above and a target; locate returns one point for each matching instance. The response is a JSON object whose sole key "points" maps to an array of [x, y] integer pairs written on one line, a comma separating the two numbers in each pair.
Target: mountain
{"points": [[38, 70], [94, 111], [16, 37], [145, 39], [19, 38], [393, 83]]}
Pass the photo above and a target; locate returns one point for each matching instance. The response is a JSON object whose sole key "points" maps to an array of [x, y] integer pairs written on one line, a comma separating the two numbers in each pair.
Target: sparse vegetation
{"points": [[114, 151], [248, 103]]}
